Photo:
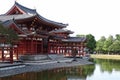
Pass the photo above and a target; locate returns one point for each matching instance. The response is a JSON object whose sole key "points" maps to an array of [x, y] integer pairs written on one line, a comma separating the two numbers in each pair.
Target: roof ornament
{"points": [[15, 0], [35, 9]]}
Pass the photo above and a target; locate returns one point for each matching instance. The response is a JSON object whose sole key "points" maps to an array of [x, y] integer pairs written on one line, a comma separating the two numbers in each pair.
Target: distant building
{"points": [[38, 35]]}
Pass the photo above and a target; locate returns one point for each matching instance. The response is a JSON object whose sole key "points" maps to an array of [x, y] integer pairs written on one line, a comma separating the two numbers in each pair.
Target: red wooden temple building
{"points": [[38, 35]]}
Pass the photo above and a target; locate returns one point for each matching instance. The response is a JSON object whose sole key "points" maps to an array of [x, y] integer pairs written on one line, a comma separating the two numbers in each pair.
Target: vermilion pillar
{"points": [[2, 53], [11, 54]]}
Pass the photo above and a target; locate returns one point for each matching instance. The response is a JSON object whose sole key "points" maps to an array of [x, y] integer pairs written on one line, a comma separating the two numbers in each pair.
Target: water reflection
{"points": [[108, 65], [103, 69], [56, 74]]}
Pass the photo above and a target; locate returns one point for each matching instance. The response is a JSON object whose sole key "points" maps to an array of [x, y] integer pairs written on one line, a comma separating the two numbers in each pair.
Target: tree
{"points": [[100, 44], [107, 43], [10, 37], [115, 47], [91, 43], [9, 34], [118, 37]]}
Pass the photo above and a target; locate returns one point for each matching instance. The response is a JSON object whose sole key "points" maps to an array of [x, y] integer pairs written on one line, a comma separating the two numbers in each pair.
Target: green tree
{"points": [[9, 34], [100, 44], [108, 42], [118, 37], [115, 47], [91, 43]]}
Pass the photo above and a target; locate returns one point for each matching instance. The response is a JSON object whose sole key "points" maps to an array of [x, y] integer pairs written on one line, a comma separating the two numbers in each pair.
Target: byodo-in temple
{"points": [[37, 35]]}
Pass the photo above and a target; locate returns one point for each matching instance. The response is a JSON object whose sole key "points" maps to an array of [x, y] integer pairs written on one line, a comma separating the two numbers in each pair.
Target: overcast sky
{"points": [[96, 17]]}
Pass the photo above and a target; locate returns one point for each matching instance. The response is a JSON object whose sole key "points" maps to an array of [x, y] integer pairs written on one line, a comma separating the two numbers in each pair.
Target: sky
{"points": [[96, 17]]}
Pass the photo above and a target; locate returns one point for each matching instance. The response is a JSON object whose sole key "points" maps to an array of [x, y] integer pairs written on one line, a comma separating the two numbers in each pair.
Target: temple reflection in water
{"points": [[69, 73]]}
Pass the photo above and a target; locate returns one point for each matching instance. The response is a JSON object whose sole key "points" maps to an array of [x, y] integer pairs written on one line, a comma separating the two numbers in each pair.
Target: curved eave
{"points": [[75, 39], [15, 17], [53, 23], [69, 32], [62, 31], [41, 20]]}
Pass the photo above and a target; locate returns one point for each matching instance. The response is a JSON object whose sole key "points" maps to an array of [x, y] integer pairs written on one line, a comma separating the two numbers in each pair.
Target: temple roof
{"points": [[15, 17], [53, 22], [62, 31], [25, 16], [25, 10], [74, 39], [27, 13]]}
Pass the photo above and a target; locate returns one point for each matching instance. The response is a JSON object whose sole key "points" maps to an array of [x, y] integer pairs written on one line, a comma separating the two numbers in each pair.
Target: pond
{"points": [[101, 70]]}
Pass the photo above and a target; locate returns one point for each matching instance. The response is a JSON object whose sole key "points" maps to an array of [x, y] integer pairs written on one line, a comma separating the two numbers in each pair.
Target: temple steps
{"points": [[33, 57], [43, 59]]}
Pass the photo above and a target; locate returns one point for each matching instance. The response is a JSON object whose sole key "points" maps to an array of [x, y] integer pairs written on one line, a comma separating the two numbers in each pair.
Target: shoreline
{"points": [[105, 56], [36, 67]]}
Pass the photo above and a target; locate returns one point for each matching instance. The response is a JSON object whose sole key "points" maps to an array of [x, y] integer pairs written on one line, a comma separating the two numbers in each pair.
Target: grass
{"points": [[105, 56]]}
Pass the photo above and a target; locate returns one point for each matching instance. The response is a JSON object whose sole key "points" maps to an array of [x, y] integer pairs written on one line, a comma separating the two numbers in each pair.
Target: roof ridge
{"points": [[16, 3], [25, 9]]}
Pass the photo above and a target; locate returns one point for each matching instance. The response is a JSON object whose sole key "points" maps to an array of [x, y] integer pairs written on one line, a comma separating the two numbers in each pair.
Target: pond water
{"points": [[101, 70]]}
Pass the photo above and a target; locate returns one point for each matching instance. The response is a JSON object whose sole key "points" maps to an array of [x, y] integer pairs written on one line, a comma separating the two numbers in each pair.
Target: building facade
{"points": [[38, 35]]}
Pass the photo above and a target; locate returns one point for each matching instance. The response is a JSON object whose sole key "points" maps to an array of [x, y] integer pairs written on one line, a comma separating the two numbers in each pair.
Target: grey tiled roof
{"points": [[24, 16], [11, 17], [8, 22], [52, 22], [29, 13], [74, 39], [62, 30], [25, 9], [33, 11]]}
